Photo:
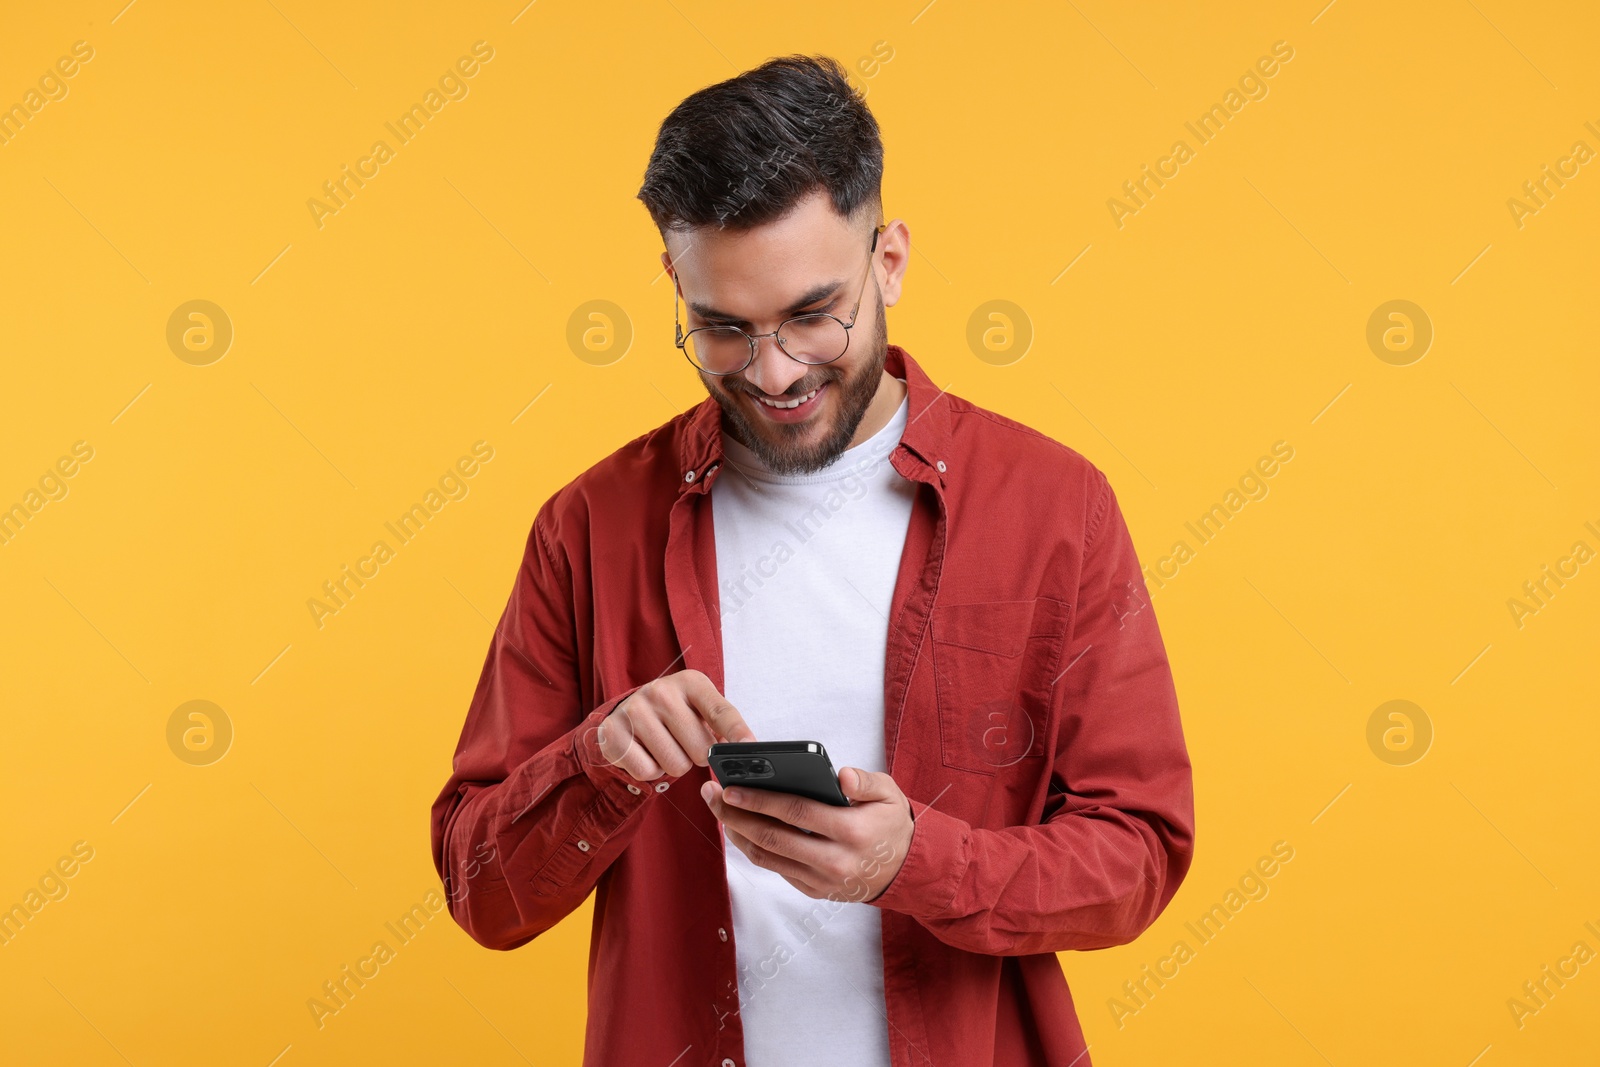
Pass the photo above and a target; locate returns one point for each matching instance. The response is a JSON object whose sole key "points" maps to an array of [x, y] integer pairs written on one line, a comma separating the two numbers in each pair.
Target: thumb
{"points": [[867, 785]]}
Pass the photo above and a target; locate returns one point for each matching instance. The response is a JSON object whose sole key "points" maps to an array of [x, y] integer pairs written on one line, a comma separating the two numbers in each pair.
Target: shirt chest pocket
{"points": [[993, 664]]}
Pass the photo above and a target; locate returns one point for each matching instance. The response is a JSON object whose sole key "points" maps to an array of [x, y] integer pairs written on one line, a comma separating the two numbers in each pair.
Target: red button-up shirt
{"points": [[1030, 718]]}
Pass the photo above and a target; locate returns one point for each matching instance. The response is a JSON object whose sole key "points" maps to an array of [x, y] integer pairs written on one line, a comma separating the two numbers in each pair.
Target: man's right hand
{"points": [[666, 726]]}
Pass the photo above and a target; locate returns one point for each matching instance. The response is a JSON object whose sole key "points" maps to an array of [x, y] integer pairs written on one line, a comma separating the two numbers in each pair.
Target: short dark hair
{"points": [[743, 152]]}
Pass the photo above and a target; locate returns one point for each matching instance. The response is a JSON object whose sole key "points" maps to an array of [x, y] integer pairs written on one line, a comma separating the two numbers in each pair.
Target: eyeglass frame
{"points": [[681, 339]]}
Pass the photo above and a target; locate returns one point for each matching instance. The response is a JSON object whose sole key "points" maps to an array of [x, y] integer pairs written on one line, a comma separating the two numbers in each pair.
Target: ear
{"points": [[894, 244]]}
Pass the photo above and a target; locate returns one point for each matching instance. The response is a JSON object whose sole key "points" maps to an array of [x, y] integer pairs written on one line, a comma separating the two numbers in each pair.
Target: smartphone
{"points": [[799, 767]]}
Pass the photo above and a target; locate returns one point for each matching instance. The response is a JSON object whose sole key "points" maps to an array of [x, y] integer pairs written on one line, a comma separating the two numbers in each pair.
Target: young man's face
{"points": [[755, 279]]}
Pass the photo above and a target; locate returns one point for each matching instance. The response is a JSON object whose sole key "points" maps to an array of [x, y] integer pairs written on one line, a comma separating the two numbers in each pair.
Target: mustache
{"points": [[794, 393]]}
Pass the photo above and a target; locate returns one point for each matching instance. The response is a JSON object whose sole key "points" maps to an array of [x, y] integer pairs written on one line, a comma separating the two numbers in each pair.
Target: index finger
{"points": [[802, 813], [723, 718]]}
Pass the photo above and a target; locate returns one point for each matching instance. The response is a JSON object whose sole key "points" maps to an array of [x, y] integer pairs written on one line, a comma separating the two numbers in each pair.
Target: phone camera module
{"points": [[745, 769]]}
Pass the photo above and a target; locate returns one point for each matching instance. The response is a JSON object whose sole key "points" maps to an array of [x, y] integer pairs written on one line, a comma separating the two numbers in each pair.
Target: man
{"points": [[827, 548]]}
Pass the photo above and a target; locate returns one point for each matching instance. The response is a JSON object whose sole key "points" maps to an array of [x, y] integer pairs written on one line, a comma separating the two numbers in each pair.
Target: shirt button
{"points": [[661, 787], [633, 789], [689, 477], [940, 465], [722, 933], [727, 1063], [583, 846]]}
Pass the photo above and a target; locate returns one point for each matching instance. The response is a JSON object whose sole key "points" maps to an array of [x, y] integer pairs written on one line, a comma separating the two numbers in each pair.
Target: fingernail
{"points": [[733, 796]]}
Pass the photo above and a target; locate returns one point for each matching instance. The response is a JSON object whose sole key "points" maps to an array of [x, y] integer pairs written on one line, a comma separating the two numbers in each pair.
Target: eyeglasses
{"points": [[813, 338]]}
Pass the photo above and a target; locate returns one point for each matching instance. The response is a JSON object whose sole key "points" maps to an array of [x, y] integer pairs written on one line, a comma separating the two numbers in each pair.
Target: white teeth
{"points": [[791, 403]]}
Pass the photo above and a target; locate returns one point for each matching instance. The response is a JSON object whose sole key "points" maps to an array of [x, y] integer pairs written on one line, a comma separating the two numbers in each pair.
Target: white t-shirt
{"points": [[806, 567]]}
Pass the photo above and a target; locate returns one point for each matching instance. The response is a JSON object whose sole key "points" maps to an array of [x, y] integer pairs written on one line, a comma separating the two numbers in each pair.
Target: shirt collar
{"points": [[926, 436]]}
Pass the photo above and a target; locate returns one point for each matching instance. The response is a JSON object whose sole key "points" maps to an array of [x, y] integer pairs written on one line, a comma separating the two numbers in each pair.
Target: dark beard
{"points": [[786, 455]]}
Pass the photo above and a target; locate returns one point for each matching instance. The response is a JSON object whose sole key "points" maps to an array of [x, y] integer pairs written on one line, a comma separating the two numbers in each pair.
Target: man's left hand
{"points": [[850, 853]]}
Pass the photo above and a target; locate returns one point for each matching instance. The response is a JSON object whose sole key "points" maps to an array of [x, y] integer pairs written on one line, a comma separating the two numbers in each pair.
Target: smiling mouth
{"points": [[788, 404], [792, 410]]}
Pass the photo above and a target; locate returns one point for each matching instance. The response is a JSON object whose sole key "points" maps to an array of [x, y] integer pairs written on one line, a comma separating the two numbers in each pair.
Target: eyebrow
{"points": [[817, 292]]}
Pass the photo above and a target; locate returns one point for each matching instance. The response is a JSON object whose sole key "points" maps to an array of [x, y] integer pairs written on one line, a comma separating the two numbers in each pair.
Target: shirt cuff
{"points": [[610, 779], [936, 860]]}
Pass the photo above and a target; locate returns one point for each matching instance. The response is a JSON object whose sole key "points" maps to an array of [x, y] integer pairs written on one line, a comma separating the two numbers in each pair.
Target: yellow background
{"points": [[1229, 313]]}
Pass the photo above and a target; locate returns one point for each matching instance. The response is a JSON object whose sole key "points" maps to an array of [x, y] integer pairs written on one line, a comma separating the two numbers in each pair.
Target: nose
{"points": [[772, 371]]}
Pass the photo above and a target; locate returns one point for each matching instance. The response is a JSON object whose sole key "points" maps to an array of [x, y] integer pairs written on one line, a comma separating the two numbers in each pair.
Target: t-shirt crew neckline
{"points": [[844, 465]]}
